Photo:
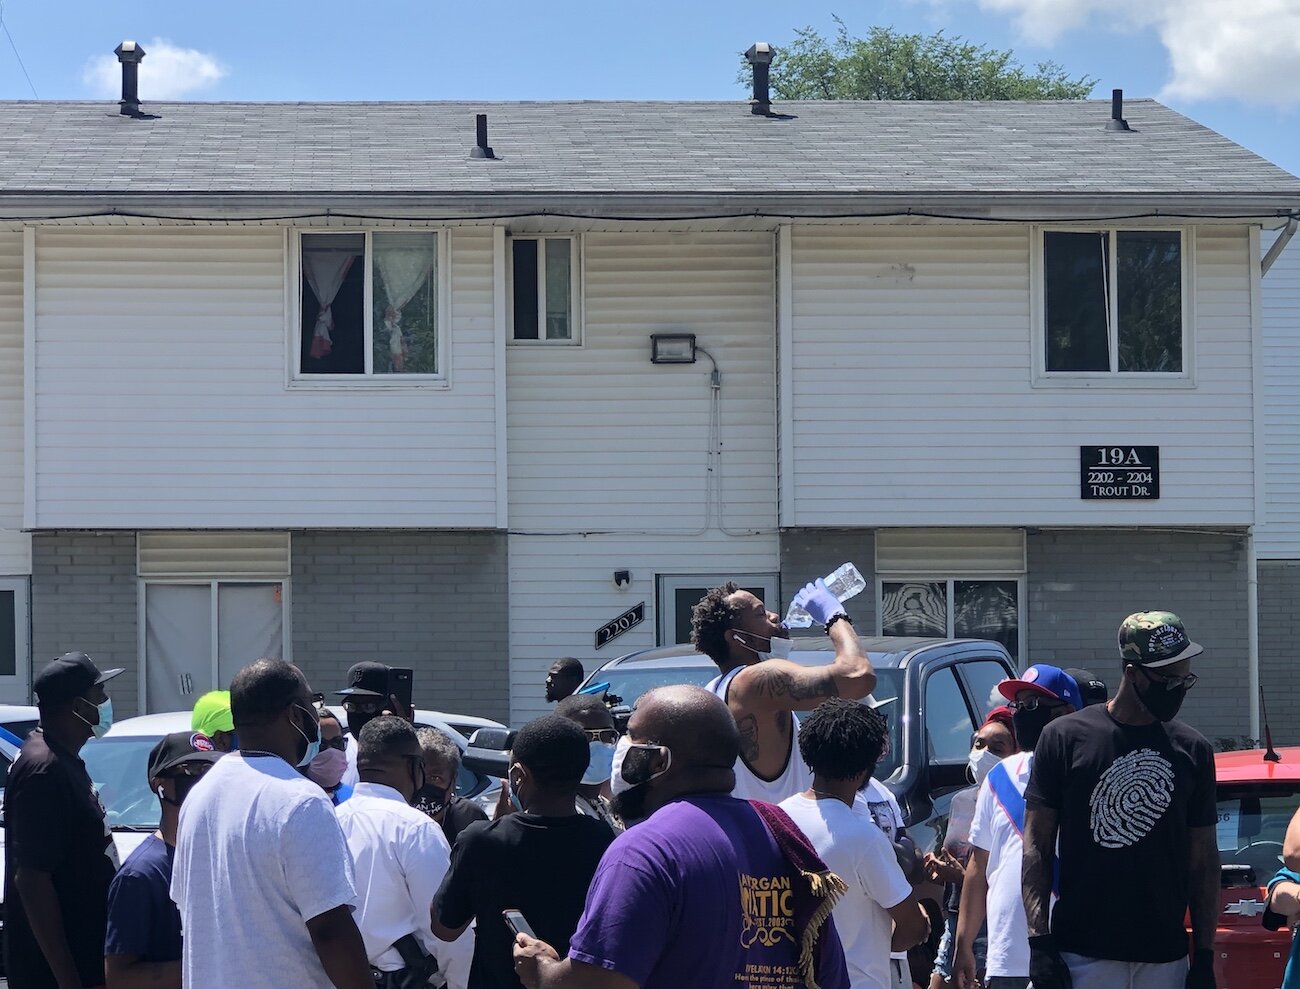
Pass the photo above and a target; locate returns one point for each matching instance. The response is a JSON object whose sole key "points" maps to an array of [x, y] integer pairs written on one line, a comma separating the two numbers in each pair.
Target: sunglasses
{"points": [[1034, 703], [1172, 683], [607, 735]]}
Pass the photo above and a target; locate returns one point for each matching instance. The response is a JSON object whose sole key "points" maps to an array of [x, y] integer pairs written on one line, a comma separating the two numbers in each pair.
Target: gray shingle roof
{"points": [[645, 148]]}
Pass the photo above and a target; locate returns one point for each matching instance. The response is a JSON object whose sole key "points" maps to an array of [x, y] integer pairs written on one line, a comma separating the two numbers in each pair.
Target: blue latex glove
{"points": [[819, 602]]}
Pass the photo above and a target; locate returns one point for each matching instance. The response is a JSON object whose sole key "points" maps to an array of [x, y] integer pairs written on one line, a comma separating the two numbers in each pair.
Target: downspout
{"points": [[1279, 245], [1252, 632]]}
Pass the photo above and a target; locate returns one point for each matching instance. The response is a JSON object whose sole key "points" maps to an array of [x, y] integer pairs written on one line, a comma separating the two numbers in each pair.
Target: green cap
{"points": [[212, 713], [1155, 638]]}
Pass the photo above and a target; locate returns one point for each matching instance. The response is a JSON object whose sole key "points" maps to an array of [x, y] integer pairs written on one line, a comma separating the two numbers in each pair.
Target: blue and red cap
{"points": [[1051, 681]]}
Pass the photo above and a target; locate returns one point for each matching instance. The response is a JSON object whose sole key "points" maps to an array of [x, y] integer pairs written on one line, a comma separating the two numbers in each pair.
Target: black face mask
{"points": [[1030, 724], [1161, 703], [430, 799], [358, 720], [184, 784]]}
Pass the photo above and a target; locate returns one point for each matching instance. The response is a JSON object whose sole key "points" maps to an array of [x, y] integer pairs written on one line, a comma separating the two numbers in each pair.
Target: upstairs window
{"points": [[544, 289], [1113, 301], [370, 305]]}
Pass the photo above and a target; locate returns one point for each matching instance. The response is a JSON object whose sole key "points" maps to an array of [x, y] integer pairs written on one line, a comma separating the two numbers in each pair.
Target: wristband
{"points": [[841, 617]]}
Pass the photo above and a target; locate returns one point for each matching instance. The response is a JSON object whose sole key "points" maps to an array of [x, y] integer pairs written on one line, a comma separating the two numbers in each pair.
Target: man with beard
{"points": [[763, 688], [991, 887], [143, 944], [702, 890], [1127, 791]]}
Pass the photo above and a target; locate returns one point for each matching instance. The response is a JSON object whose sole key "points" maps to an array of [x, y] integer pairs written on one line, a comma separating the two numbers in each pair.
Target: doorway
{"points": [[679, 593], [15, 640]]}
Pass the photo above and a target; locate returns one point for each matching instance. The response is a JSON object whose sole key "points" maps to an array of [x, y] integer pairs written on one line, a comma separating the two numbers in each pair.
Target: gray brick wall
{"points": [[433, 601], [1082, 583], [1279, 646], [84, 597], [807, 554]]}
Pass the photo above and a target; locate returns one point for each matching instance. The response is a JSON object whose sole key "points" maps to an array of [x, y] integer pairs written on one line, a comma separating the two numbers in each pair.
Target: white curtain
{"points": [[402, 270], [325, 271]]}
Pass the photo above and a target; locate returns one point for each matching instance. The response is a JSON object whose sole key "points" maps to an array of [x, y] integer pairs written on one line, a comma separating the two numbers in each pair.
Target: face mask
{"points": [[1029, 725], [104, 713], [313, 744], [234, 742], [326, 769], [430, 799], [600, 764], [1161, 703], [184, 784], [630, 776], [777, 647], [357, 720], [980, 762]]}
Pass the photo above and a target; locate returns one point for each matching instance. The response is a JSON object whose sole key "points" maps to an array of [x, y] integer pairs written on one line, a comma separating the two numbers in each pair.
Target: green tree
{"points": [[889, 65]]}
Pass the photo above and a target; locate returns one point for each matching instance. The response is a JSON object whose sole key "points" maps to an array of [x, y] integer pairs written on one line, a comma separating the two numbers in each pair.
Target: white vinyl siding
{"points": [[162, 398], [1278, 536], [15, 545], [609, 453], [913, 398]]}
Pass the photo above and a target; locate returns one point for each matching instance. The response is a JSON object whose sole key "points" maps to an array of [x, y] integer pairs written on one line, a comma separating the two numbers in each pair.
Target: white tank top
{"points": [[795, 778]]}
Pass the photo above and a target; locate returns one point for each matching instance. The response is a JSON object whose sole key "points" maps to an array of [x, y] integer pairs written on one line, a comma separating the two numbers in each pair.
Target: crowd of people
{"points": [[722, 840]]}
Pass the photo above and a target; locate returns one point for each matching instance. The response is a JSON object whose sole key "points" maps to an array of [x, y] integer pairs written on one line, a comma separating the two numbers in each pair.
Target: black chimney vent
{"points": [[1117, 121], [760, 57], [481, 147], [129, 54]]}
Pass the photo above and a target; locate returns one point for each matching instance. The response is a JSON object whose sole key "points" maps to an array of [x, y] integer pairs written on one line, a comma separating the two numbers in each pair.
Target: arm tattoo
{"points": [[779, 683], [748, 726]]}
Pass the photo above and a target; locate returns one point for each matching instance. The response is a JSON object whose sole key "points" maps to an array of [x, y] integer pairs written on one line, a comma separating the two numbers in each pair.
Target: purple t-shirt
{"points": [[673, 893]]}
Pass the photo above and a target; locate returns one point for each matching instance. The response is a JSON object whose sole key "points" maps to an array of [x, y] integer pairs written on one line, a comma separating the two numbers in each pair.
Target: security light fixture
{"points": [[672, 348]]}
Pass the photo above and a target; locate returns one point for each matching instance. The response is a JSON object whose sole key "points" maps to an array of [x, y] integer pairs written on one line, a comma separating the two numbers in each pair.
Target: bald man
{"points": [[699, 892]]}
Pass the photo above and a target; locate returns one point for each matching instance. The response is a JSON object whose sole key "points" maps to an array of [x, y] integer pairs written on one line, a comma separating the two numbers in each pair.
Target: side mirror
{"points": [[489, 752]]}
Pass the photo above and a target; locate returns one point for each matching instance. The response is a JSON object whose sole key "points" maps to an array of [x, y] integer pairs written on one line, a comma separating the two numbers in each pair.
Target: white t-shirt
{"points": [[795, 778], [859, 853], [992, 831], [258, 854], [400, 856], [879, 804]]}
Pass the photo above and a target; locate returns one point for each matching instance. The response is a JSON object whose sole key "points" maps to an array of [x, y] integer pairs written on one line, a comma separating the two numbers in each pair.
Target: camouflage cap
{"points": [[1155, 639]]}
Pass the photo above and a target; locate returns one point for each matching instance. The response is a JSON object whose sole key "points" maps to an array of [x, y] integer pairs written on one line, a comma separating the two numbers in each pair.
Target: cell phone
{"points": [[400, 680], [515, 921]]}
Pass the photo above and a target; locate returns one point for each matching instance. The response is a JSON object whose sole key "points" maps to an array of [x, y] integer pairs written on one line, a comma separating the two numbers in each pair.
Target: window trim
{"points": [[1043, 378], [949, 579], [295, 377], [577, 273]]}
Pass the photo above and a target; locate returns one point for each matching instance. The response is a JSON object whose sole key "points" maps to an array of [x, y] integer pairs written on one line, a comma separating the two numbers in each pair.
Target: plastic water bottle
{"points": [[845, 582]]}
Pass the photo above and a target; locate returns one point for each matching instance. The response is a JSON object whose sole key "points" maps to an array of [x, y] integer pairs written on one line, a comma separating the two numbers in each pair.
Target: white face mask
{"points": [[981, 762], [777, 647], [617, 783]]}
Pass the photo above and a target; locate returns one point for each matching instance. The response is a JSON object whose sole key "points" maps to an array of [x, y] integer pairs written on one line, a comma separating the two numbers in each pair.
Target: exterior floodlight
{"points": [[672, 348]]}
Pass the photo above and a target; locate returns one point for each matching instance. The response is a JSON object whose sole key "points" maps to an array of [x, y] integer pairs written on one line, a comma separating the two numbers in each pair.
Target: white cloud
{"points": [[167, 72], [1247, 50]]}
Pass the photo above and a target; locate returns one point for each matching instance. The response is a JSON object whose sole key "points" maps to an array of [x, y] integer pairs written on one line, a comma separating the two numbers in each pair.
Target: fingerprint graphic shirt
{"points": [[1126, 797]]}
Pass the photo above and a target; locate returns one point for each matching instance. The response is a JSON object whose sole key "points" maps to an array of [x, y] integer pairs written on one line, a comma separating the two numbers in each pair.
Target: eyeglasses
{"points": [[607, 735], [363, 707], [1033, 703], [1172, 683]]}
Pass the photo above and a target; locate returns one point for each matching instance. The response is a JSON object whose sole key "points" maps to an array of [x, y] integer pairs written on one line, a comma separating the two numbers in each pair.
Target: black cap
{"points": [[181, 747], [366, 680], [1091, 687], [69, 676]]}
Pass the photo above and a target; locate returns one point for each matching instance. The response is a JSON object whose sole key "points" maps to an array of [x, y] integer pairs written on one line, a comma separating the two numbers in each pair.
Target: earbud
{"points": [[160, 792]]}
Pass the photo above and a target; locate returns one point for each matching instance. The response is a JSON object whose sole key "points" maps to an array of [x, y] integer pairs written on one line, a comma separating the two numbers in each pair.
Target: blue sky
{"points": [[1233, 65]]}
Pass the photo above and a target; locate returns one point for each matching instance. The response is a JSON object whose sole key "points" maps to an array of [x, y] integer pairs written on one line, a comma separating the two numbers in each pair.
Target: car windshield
{"points": [[630, 684], [1252, 824]]}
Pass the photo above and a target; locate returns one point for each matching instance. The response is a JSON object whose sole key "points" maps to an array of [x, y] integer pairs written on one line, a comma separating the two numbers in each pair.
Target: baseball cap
{"points": [[212, 713], [1051, 681], [1155, 639], [366, 680], [1092, 688], [69, 676], [180, 747]]}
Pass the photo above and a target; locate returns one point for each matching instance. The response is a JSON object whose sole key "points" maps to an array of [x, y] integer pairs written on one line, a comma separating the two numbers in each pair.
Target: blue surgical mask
{"points": [[105, 714], [313, 744], [600, 763]]}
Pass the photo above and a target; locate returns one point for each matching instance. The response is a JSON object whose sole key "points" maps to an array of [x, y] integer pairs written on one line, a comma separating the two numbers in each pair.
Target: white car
{"points": [[118, 765]]}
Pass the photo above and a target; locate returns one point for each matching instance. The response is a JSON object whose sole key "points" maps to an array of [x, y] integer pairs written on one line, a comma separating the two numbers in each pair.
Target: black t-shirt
{"points": [[540, 866], [1126, 797], [54, 823], [461, 813]]}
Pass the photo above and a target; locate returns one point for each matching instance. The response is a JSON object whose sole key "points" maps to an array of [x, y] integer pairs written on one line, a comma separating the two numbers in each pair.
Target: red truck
{"points": [[1257, 799]]}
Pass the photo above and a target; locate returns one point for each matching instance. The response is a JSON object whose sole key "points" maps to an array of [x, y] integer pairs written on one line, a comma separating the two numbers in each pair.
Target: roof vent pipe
{"points": [[1117, 121], [481, 148], [129, 54], [760, 57]]}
